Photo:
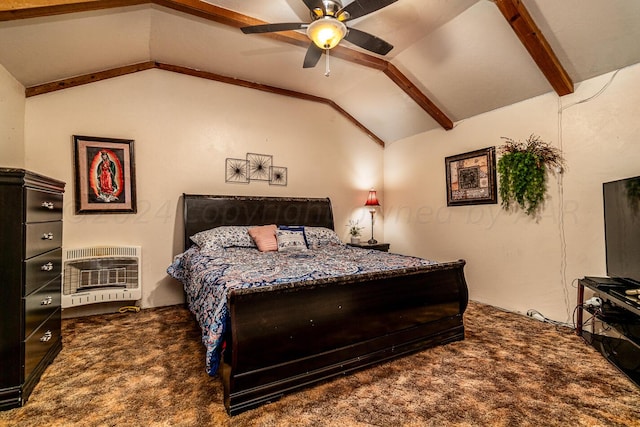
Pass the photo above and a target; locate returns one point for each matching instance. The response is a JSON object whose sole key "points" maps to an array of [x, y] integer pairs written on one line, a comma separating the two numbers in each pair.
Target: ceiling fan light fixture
{"points": [[326, 32]]}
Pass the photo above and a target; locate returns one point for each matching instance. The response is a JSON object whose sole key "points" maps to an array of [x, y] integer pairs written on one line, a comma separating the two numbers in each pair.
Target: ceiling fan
{"points": [[328, 28]]}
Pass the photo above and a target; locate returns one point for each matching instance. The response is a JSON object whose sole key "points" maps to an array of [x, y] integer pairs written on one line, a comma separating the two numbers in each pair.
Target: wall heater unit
{"points": [[101, 274]]}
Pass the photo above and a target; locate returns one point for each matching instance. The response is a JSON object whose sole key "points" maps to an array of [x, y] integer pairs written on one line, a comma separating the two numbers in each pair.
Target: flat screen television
{"points": [[622, 229]]}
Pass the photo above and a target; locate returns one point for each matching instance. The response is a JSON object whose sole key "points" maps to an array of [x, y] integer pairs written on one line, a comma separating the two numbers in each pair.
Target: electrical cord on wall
{"points": [[561, 230], [560, 187]]}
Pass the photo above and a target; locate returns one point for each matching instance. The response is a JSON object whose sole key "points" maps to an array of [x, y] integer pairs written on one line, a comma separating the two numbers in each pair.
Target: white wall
{"points": [[184, 128], [512, 261], [12, 104]]}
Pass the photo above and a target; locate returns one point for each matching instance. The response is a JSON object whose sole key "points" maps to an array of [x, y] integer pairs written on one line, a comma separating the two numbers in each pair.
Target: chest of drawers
{"points": [[30, 280]]}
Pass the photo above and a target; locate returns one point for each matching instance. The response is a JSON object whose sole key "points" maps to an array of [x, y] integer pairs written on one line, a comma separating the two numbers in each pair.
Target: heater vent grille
{"points": [[101, 274], [102, 251]]}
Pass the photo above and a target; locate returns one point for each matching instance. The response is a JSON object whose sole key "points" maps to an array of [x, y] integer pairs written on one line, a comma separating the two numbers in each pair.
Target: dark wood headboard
{"points": [[202, 212]]}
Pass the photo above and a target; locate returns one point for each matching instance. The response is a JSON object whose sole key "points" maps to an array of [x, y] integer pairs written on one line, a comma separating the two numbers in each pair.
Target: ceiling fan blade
{"points": [[272, 28], [314, 4], [359, 8], [312, 57], [368, 41]]}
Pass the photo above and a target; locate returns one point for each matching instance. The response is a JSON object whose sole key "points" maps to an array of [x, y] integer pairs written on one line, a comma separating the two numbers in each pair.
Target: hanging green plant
{"points": [[523, 172]]}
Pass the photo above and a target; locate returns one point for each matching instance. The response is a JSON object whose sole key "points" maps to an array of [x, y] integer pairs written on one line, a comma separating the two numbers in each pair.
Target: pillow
{"points": [[291, 241], [297, 228], [321, 236], [265, 237], [291, 227], [226, 237]]}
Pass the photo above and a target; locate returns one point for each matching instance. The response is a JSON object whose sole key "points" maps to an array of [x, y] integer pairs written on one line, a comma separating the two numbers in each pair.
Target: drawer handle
{"points": [[47, 205], [47, 236], [46, 337], [47, 301], [47, 267]]}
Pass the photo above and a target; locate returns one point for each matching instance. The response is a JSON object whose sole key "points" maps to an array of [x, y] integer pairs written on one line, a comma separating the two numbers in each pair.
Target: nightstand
{"points": [[384, 247]]}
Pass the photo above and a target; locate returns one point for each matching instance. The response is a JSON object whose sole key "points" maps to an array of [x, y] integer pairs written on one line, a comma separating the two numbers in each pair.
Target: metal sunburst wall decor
{"points": [[237, 170], [256, 167], [278, 175], [259, 165]]}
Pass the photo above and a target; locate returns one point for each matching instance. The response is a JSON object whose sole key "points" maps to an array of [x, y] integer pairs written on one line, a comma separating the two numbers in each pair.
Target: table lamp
{"points": [[372, 202]]}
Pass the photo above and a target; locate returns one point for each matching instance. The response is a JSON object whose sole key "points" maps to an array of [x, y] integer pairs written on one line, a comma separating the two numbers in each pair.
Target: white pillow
{"points": [[226, 236], [291, 241], [321, 236]]}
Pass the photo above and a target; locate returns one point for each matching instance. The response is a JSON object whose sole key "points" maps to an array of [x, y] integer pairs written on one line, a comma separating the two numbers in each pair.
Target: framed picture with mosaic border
{"points": [[471, 178], [237, 170], [278, 175], [259, 166], [104, 175]]}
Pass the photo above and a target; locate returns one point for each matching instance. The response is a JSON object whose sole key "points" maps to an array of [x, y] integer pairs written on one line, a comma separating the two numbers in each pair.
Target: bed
{"points": [[266, 337]]}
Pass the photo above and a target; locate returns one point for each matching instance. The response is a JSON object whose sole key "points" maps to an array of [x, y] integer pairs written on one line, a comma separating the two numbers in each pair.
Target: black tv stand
{"points": [[619, 313]]}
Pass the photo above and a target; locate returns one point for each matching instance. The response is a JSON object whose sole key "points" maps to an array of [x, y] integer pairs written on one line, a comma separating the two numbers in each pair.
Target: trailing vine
{"points": [[523, 172]]}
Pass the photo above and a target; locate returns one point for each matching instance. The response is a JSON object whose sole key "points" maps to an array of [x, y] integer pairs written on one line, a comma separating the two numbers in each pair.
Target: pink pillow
{"points": [[265, 237]]}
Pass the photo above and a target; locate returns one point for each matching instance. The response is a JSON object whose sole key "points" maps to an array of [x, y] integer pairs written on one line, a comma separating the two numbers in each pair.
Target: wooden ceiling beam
{"points": [[23, 9], [87, 78], [536, 44], [121, 71], [421, 99]]}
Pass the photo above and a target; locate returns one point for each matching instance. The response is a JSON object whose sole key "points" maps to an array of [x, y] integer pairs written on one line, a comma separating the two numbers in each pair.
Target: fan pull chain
{"points": [[327, 70]]}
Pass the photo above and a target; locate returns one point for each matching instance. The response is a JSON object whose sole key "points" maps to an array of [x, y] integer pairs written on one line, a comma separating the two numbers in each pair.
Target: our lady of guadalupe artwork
{"points": [[106, 175], [105, 180]]}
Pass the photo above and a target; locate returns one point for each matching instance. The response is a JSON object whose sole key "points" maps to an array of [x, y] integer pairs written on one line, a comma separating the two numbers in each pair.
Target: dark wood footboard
{"points": [[287, 338]]}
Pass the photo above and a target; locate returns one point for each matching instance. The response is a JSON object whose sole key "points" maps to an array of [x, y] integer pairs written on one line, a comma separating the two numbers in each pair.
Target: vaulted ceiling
{"points": [[452, 59]]}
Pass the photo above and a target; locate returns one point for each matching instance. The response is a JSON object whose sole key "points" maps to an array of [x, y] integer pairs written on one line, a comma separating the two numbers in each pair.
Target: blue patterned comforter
{"points": [[209, 274]]}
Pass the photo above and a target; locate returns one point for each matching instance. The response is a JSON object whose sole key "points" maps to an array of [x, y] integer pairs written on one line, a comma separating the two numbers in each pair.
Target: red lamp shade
{"points": [[372, 199]]}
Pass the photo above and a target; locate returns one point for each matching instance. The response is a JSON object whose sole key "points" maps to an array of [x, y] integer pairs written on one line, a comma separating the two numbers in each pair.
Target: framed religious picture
{"points": [[104, 175], [471, 178]]}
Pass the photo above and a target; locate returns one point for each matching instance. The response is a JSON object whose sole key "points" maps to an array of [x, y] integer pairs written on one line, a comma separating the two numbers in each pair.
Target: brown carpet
{"points": [[147, 369]]}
